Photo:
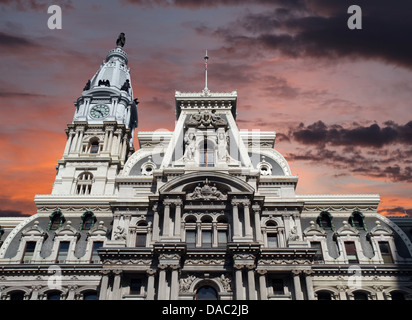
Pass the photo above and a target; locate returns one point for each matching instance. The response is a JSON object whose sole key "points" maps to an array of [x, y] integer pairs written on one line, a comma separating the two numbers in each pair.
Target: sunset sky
{"points": [[338, 99]]}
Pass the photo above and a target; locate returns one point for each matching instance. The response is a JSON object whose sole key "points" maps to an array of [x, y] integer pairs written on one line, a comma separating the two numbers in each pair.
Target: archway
{"points": [[206, 293]]}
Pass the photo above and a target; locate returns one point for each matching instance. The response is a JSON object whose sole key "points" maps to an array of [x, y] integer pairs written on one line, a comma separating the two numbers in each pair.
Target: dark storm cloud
{"points": [[12, 213], [318, 29], [198, 4], [37, 5], [373, 135], [10, 42], [397, 210], [356, 163]]}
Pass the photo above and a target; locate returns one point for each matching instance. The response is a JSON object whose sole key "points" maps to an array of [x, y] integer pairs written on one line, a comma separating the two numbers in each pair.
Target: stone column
{"points": [[115, 144], [74, 142], [161, 292], [297, 286], [117, 284], [155, 224], [262, 284], [80, 141], [106, 139], [309, 284], [198, 235], [35, 292], [239, 284], [110, 140], [236, 226], [104, 284], [246, 213], [150, 284], [174, 288], [71, 294], [166, 220], [251, 282], [215, 235], [342, 292], [379, 292], [69, 141], [124, 148], [178, 217], [258, 230]]}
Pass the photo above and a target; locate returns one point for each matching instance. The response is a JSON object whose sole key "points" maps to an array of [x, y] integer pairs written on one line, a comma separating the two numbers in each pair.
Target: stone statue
{"points": [[121, 40], [222, 146], [126, 86], [225, 282], [190, 146], [87, 86], [294, 234], [119, 234]]}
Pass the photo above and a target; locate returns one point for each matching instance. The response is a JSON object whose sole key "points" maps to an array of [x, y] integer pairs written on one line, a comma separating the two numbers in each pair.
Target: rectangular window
{"points": [[385, 252], [277, 286], [191, 238], [96, 245], [141, 240], [136, 286], [206, 239], [351, 252], [29, 251], [272, 240], [63, 251], [318, 255], [222, 238], [94, 148]]}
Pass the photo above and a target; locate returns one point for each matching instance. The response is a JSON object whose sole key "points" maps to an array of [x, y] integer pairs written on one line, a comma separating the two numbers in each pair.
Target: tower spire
{"points": [[206, 58]]}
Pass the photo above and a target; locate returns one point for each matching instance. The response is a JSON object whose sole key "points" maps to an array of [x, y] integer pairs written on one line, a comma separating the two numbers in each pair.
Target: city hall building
{"points": [[204, 212]]}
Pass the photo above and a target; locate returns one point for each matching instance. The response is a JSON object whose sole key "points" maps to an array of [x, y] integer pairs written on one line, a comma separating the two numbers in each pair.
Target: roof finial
{"points": [[206, 58]]}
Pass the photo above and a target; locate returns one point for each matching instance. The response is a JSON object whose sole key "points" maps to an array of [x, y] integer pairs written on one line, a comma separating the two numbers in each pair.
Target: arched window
{"points": [[360, 295], [90, 295], [324, 295], [324, 220], [206, 293], [272, 234], [56, 220], [17, 295], [397, 295], [207, 153], [141, 234], [88, 220], [53, 295], [356, 220], [94, 146], [84, 183]]}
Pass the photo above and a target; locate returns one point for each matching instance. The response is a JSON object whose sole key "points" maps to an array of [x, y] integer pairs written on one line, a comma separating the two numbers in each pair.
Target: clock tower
{"points": [[100, 137]]}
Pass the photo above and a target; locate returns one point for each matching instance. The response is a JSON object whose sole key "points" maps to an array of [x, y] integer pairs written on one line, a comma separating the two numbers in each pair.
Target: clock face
{"points": [[99, 111]]}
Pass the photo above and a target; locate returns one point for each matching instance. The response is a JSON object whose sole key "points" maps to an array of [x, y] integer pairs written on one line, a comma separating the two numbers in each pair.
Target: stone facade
{"points": [[205, 211]]}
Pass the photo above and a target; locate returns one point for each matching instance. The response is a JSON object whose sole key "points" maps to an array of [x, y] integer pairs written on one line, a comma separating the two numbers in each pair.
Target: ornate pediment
{"points": [[206, 192]]}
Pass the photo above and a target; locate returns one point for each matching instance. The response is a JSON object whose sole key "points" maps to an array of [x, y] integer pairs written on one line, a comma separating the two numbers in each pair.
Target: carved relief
{"points": [[206, 119], [206, 192]]}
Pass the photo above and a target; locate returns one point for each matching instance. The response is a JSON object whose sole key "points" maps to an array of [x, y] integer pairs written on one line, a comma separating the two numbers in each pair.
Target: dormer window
{"points": [[88, 220], [356, 220], [56, 220], [324, 220]]}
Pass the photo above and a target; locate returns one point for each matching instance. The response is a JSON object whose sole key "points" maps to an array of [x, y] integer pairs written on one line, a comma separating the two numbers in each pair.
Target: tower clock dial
{"points": [[99, 111]]}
